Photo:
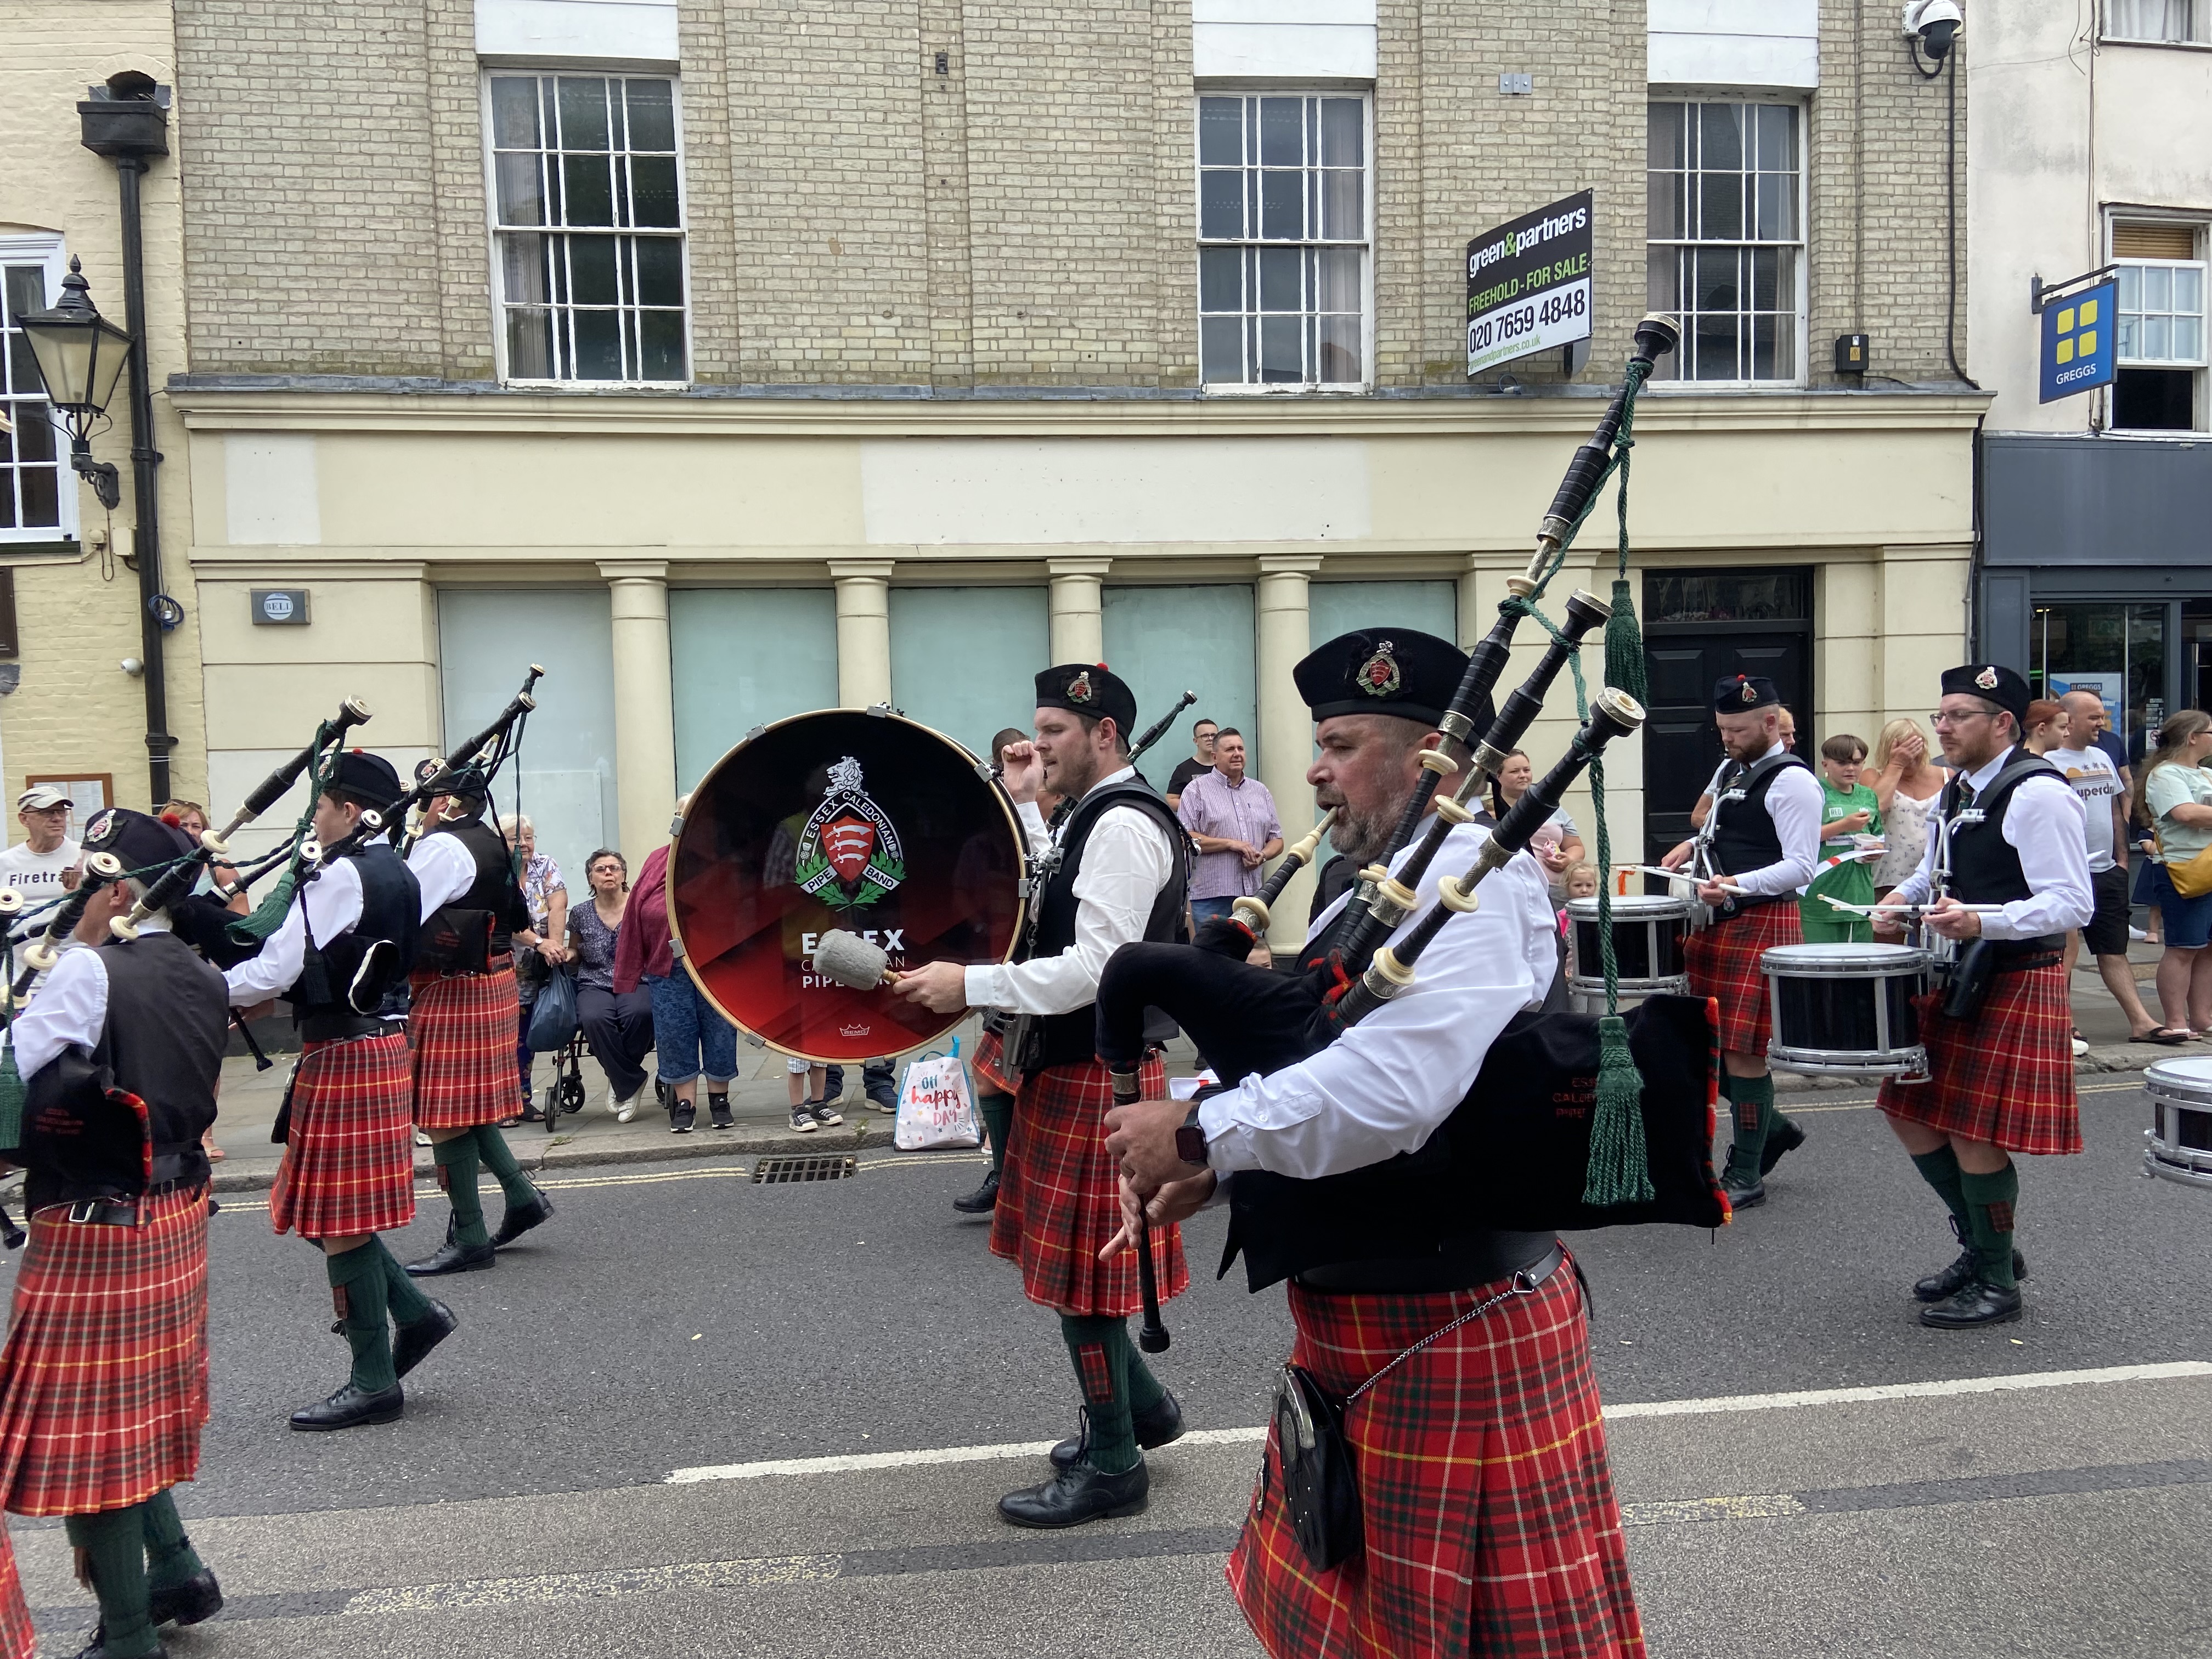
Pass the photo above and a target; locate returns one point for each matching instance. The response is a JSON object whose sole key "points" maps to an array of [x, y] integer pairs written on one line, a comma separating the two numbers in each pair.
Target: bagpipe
{"points": [[475, 762]]}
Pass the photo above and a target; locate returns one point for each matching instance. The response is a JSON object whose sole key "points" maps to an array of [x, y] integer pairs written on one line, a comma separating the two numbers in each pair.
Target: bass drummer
{"points": [[1761, 843], [2015, 876]]}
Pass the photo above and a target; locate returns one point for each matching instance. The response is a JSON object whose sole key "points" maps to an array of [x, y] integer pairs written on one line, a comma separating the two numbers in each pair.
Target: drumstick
{"points": [[852, 961], [1909, 910], [1677, 875]]}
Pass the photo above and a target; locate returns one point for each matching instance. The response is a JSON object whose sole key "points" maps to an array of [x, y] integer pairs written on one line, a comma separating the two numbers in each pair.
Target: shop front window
{"points": [[2117, 651]]}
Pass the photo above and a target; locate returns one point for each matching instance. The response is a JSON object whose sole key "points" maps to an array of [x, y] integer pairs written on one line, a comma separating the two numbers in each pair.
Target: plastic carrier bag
{"points": [[553, 1016], [936, 1105]]}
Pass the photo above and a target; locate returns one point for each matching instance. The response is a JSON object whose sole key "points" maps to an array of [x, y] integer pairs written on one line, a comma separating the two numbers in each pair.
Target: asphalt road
{"points": [[684, 1321]]}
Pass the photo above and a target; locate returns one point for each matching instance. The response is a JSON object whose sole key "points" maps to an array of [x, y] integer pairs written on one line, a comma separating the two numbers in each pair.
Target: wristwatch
{"points": [[1190, 1139]]}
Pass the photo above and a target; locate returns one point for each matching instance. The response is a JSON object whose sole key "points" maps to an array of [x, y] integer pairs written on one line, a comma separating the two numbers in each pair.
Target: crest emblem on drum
{"points": [[1079, 689], [1378, 675], [1987, 679], [848, 854]]}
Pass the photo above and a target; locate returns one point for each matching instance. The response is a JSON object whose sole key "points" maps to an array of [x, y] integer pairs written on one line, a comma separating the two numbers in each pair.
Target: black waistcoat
{"points": [[1071, 1039], [495, 892], [1744, 835], [1984, 865], [168, 1019], [391, 910]]}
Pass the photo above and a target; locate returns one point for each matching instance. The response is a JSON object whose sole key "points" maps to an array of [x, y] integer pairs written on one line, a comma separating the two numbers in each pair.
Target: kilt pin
{"points": [[1058, 1197], [2006, 1076], [1491, 1524], [348, 1164], [464, 1026], [1722, 962], [103, 1375]]}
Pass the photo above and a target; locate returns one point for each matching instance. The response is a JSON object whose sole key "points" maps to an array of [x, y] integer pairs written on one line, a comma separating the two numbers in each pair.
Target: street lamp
{"points": [[81, 355]]}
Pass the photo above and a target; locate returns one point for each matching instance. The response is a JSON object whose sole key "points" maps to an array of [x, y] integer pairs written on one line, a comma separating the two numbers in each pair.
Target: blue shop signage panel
{"points": [[2077, 342]]}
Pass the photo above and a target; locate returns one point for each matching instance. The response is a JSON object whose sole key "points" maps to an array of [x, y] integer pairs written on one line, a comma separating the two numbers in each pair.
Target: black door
{"points": [[1701, 625]]}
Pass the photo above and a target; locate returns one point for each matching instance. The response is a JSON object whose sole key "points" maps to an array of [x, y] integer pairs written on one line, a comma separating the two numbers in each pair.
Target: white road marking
{"points": [[589, 1586], [1675, 1511], [855, 1462]]}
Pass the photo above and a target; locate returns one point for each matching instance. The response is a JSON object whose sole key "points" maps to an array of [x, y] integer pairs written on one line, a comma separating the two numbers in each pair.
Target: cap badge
{"points": [[1750, 693], [1378, 675], [1079, 689], [96, 833], [1987, 679]]}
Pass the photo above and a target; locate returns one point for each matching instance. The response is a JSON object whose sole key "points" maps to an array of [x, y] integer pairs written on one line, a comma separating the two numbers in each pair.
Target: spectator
{"points": [[2101, 722], [191, 817], [2089, 768], [2047, 726], [618, 1026], [808, 1087], [1232, 818], [1848, 810], [1905, 786], [1788, 729], [1203, 736], [1557, 843], [541, 947], [43, 864], [2173, 793], [689, 1038]]}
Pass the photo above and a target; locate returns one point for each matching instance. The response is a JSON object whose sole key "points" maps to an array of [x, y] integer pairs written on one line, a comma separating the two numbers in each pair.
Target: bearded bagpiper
{"points": [[2009, 837], [1117, 874], [103, 1378], [348, 1173]]}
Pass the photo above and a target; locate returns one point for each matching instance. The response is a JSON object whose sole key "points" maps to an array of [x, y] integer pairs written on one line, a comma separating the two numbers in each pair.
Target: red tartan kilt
{"points": [[348, 1163], [990, 1063], [463, 1029], [1060, 1197], [19, 1640], [1722, 962], [104, 1376], [1491, 1523], [2005, 1077]]}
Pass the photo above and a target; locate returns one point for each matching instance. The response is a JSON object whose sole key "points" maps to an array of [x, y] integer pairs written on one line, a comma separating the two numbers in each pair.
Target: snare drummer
{"points": [[2000, 1078], [1759, 845]]}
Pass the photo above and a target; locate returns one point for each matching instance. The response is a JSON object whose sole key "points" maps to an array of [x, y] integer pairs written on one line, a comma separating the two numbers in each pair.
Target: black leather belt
{"points": [[1479, 1259], [342, 1026], [114, 1212]]}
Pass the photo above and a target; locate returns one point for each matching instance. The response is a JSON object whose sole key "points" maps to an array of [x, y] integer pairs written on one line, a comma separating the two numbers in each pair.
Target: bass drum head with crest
{"points": [[872, 823]]}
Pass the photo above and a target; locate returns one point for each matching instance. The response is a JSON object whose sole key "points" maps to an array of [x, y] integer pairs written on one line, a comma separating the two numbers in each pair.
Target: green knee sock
{"points": [[457, 1162], [170, 1558], [1144, 1389], [1755, 1107], [997, 1112], [114, 1544], [1100, 1348], [499, 1158], [357, 1287], [1940, 1170], [401, 1293], [1989, 1200]]}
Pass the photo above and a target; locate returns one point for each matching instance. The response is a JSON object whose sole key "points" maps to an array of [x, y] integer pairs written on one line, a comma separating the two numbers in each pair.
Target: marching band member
{"points": [[464, 1015], [1486, 1500], [1120, 877], [347, 1172], [1763, 838], [2001, 1075], [104, 1377]]}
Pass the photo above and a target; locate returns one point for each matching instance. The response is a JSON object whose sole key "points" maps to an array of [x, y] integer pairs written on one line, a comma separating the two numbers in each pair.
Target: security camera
{"points": [[1933, 23], [132, 666]]}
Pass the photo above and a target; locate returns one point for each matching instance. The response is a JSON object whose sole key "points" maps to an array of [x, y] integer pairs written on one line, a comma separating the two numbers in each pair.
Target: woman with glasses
{"points": [[617, 1025], [2174, 795]]}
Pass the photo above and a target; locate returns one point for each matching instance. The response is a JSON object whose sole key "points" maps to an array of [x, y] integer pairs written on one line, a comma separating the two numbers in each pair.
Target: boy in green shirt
{"points": [[1848, 809]]}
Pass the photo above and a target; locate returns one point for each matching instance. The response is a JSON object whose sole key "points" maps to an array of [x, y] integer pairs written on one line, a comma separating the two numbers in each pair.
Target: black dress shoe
{"points": [[1074, 1496], [1743, 1192], [1160, 1426], [199, 1597], [1783, 1137], [521, 1217], [1938, 1287], [983, 1199], [412, 1344], [453, 1257], [349, 1409], [1976, 1303], [98, 1650]]}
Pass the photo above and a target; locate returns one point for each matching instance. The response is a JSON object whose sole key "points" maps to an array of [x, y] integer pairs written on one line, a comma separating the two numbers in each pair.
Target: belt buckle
{"points": [[82, 1210]]}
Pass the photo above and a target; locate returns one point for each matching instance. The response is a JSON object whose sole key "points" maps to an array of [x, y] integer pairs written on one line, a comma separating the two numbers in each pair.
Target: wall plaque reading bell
{"points": [[280, 607]]}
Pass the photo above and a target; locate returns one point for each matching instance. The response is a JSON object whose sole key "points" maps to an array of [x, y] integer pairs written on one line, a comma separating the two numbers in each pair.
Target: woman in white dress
{"points": [[1906, 786]]}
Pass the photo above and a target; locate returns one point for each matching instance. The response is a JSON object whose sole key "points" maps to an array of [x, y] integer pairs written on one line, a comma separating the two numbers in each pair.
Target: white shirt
{"points": [[1793, 801], [2097, 780], [2045, 826], [38, 876], [71, 1007], [1126, 862], [331, 904], [1382, 1087], [444, 869]]}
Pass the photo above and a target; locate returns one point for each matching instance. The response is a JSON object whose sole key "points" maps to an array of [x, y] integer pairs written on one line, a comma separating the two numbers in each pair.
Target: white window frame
{"points": [[681, 232], [2200, 23], [1365, 92], [1674, 380], [46, 248], [2200, 368]]}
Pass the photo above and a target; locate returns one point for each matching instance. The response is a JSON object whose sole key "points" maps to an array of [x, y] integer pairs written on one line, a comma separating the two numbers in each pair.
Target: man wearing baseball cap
{"points": [[43, 864]]}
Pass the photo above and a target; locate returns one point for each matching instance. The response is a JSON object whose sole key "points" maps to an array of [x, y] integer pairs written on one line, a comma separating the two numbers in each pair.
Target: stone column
{"points": [[1285, 727], [863, 631], [645, 705], [1079, 627]]}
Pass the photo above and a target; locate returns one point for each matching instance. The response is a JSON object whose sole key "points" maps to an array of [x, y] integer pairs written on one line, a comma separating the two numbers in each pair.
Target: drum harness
{"points": [[1735, 786], [1963, 975]]}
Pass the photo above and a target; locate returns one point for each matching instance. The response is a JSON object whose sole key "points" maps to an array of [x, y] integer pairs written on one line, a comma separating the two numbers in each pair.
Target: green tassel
{"points": [[12, 1094], [267, 916], [1624, 645], [1619, 1170]]}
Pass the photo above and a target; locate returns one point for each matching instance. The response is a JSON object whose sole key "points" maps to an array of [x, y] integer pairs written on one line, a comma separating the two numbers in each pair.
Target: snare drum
{"points": [[2178, 1146], [1846, 1010], [1648, 933]]}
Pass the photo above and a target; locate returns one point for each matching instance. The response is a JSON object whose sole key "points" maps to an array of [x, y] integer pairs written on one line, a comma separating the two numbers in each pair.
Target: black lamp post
{"points": [[81, 355]]}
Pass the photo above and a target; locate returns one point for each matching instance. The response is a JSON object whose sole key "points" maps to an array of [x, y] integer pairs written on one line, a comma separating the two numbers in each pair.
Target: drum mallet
{"points": [[852, 961]]}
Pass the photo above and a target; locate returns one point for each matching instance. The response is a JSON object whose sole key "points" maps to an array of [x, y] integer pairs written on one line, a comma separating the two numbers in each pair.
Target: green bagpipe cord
{"points": [[266, 917]]}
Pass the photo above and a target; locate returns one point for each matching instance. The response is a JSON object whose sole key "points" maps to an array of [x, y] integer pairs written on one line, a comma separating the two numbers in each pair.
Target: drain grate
{"points": [[811, 1166]]}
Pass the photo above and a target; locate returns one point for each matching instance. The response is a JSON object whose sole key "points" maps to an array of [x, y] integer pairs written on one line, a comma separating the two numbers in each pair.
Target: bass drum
{"points": [[868, 822]]}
